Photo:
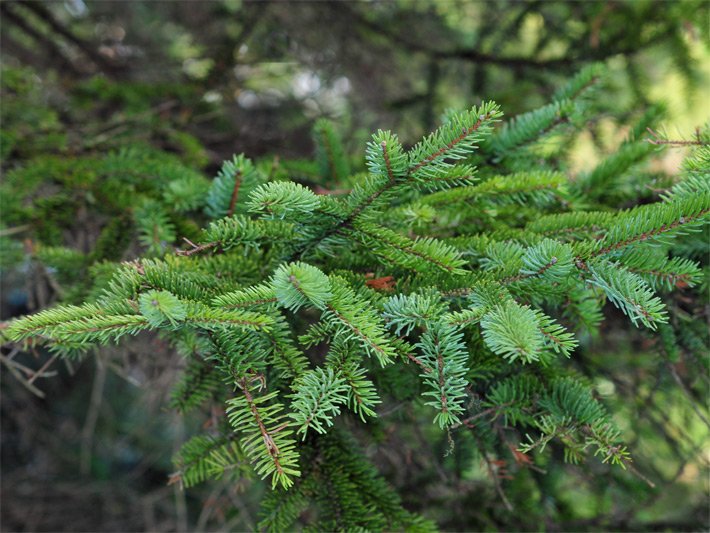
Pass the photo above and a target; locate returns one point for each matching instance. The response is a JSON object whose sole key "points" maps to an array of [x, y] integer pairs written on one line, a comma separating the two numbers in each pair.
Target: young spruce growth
{"points": [[454, 277]]}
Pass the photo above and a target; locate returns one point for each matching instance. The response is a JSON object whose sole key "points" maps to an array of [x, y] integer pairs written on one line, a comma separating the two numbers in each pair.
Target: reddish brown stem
{"points": [[235, 193]]}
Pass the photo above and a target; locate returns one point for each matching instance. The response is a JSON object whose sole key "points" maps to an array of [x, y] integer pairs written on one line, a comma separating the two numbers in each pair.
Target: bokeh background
{"points": [[87, 446]]}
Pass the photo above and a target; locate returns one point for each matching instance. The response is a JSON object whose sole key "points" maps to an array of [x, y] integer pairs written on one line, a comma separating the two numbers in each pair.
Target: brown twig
{"points": [[491, 471], [235, 192], [467, 421], [45, 366], [657, 140], [10, 364], [196, 248]]}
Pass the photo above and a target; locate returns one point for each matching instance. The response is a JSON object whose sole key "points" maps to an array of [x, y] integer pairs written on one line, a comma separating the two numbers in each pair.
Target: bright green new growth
{"points": [[318, 396], [512, 331], [282, 200], [159, 307], [300, 284], [454, 281], [432, 158]]}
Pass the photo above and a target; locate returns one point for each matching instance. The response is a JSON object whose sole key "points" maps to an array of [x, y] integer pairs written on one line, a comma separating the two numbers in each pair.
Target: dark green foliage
{"points": [[229, 191], [204, 457], [444, 296], [345, 488]]}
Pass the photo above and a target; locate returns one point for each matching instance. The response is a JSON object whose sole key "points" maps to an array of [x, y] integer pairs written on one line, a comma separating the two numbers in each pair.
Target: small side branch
{"points": [[658, 140], [651, 233], [195, 248], [235, 192]]}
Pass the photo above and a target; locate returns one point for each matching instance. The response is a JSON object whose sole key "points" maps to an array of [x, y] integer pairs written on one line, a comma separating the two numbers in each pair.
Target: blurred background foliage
{"points": [[107, 105]]}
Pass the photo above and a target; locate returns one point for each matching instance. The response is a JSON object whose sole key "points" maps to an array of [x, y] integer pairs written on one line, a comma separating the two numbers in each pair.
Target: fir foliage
{"points": [[444, 359], [318, 396], [265, 434], [236, 180], [454, 280]]}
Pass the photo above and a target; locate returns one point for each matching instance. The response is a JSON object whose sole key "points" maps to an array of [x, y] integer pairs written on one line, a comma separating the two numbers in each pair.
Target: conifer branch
{"points": [[388, 164], [479, 256], [266, 434], [204, 457], [448, 147], [350, 315], [413, 254], [426, 160], [195, 248], [381, 351], [539, 272], [657, 140], [331, 157], [235, 192], [641, 224], [269, 443], [250, 297], [444, 353]]}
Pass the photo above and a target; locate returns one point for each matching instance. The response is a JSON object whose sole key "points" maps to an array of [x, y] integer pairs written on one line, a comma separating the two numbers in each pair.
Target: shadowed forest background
{"points": [[86, 444]]}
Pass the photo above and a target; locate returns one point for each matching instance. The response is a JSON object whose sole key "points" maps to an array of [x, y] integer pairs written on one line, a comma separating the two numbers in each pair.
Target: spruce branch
{"points": [[77, 326], [327, 293], [654, 222], [212, 319], [257, 295], [530, 127], [235, 192], [628, 292], [362, 394], [239, 230], [330, 155], [199, 382], [196, 248], [659, 140], [286, 357], [235, 182], [444, 352], [299, 284], [571, 226], [406, 312], [555, 335], [539, 186], [579, 85], [353, 317], [283, 200], [605, 176], [265, 434], [661, 272], [513, 331], [455, 140], [385, 157], [428, 162], [464, 318], [160, 307], [204, 457], [697, 181], [318, 395], [420, 254], [551, 260]]}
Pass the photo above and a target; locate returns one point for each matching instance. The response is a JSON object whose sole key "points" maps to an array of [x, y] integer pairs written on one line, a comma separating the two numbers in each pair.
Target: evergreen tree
{"points": [[456, 277]]}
